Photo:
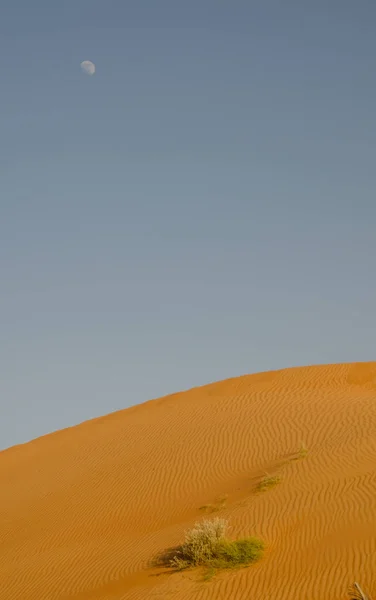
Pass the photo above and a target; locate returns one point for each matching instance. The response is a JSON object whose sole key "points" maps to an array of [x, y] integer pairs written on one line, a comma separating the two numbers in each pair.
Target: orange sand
{"points": [[84, 510]]}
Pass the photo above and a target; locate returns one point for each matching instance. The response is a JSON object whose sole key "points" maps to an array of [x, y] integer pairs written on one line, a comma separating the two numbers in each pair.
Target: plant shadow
{"points": [[162, 561]]}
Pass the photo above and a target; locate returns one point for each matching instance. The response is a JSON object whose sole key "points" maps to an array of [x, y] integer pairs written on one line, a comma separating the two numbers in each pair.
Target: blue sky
{"points": [[202, 207]]}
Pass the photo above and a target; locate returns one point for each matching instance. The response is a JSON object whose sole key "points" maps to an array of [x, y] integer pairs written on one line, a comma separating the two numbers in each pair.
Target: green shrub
{"points": [[238, 552], [206, 545]]}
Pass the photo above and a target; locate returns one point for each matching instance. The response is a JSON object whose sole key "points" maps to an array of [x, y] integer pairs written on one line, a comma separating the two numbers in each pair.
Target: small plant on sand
{"points": [[206, 545], [356, 593], [268, 482], [219, 504], [221, 501], [303, 451]]}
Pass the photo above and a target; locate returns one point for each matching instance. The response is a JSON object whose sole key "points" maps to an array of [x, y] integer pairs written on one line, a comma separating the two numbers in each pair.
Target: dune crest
{"points": [[83, 511]]}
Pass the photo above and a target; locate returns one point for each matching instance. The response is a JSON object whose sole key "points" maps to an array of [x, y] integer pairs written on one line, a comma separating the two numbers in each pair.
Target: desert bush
{"points": [[201, 541], [238, 552], [268, 482], [206, 545]]}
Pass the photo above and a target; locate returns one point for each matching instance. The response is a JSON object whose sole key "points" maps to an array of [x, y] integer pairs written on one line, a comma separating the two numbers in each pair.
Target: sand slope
{"points": [[84, 510]]}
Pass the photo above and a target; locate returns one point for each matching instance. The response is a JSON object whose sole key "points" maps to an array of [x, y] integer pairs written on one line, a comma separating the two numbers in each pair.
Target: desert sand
{"points": [[83, 511]]}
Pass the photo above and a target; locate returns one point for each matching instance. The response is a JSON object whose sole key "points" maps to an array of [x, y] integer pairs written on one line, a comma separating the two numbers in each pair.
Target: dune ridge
{"points": [[83, 511]]}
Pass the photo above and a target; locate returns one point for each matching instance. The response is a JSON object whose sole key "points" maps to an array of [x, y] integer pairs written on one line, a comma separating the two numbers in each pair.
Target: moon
{"points": [[88, 67]]}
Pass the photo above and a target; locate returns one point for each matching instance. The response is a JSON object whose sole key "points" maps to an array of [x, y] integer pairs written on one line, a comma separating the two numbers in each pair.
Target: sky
{"points": [[200, 208]]}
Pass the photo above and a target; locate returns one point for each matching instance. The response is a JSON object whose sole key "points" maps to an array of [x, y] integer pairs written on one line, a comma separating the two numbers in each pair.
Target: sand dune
{"points": [[84, 510]]}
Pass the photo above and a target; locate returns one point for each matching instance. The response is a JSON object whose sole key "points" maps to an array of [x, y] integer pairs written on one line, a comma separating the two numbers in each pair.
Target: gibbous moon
{"points": [[88, 67]]}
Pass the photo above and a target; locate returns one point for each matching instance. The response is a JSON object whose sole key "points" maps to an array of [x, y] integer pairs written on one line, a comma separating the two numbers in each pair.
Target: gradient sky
{"points": [[203, 207]]}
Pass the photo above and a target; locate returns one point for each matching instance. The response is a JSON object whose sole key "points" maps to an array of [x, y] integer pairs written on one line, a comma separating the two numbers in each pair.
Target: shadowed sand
{"points": [[84, 511]]}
